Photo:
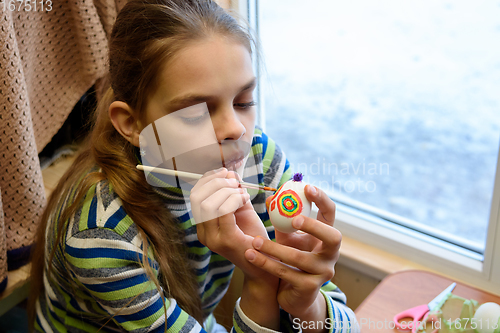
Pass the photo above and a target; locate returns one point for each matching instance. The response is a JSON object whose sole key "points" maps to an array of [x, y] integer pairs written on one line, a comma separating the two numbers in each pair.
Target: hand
{"points": [[307, 258], [326, 214], [217, 202], [248, 220]]}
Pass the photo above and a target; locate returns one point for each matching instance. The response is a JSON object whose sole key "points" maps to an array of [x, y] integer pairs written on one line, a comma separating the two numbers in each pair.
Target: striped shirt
{"points": [[98, 281]]}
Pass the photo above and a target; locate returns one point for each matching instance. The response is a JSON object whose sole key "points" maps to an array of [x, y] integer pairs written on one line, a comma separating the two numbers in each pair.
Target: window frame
{"points": [[412, 245]]}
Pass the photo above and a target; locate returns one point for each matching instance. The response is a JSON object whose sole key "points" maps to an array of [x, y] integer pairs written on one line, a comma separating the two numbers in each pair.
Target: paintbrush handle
{"points": [[170, 172], [191, 175], [251, 185]]}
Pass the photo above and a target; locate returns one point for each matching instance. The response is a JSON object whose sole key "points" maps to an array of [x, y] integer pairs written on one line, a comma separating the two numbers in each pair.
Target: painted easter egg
{"points": [[288, 202]]}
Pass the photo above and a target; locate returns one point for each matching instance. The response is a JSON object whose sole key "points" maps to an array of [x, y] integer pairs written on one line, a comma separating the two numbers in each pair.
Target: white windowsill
{"points": [[371, 249]]}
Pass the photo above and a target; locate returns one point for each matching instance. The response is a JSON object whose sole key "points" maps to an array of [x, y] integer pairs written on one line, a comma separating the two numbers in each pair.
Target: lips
{"points": [[234, 161], [234, 153]]}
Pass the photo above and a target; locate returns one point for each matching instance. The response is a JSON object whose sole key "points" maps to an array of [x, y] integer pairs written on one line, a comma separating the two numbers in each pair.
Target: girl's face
{"points": [[203, 108]]}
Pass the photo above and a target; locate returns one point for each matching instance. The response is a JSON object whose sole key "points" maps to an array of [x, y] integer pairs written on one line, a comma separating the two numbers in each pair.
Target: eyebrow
{"points": [[191, 99]]}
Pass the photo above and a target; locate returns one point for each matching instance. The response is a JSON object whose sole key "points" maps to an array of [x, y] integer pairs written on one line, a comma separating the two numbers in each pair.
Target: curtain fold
{"points": [[49, 60], [3, 251]]}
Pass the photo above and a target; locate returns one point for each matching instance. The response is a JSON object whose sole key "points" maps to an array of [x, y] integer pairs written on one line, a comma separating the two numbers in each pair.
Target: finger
{"points": [[201, 193], [208, 176], [330, 236], [325, 205], [233, 174], [200, 231], [268, 202], [303, 260], [298, 240], [228, 226], [223, 201], [233, 202], [292, 275], [208, 216]]}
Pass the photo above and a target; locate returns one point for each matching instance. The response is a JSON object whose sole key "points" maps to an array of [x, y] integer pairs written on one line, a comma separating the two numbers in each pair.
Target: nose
{"points": [[228, 125]]}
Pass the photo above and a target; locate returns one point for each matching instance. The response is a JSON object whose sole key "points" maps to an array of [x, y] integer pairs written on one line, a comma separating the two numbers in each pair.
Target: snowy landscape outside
{"points": [[395, 104]]}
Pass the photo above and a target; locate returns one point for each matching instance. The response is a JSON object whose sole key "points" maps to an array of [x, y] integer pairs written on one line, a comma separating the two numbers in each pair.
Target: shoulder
{"points": [[102, 209], [266, 147], [261, 141], [272, 158]]}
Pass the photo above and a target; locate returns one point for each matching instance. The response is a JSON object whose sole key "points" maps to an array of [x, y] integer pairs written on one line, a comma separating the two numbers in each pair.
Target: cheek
{"points": [[248, 121]]}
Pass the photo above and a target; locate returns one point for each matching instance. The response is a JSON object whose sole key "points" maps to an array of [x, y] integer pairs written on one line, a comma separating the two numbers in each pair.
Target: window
{"points": [[393, 109]]}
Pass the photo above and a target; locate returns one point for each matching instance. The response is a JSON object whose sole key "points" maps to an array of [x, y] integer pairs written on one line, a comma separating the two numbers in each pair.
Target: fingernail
{"points": [[250, 255], [312, 190], [233, 181], [257, 242], [298, 222]]}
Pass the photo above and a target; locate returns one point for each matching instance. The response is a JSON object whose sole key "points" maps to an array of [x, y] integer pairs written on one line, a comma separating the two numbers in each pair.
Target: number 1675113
{"points": [[26, 5]]}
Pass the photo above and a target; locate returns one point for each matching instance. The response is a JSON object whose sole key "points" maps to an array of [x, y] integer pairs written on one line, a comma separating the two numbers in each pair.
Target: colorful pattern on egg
{"points": [[289, 203]]}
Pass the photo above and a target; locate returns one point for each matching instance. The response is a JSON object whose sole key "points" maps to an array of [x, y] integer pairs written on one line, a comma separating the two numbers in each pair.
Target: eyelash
{"points": [[239, 105], [194, 119], [245, 105]]}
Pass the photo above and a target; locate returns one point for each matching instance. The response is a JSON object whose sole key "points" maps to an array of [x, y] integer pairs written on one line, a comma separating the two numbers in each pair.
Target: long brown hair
{"points": [[145, 36]]}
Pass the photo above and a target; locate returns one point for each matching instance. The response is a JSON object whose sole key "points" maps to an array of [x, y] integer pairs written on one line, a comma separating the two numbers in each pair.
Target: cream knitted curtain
{"points": [[49, 59]]}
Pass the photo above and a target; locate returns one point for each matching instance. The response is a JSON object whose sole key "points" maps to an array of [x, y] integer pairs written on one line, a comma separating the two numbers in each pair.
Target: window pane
{"points": [[394, 104]]}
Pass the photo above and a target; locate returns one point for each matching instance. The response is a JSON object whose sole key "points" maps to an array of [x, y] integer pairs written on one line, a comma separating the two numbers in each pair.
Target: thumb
{"points": [[268, 202]]}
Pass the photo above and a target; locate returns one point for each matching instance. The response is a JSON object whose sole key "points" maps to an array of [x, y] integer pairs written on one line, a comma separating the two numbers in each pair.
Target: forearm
{"points": [[259, 303], [313, 319]]}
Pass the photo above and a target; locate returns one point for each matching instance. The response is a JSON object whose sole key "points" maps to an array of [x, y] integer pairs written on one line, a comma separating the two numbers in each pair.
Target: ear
{"points": [[124, 121]]}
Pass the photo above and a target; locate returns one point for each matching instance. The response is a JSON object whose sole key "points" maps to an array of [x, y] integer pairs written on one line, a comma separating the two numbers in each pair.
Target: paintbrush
{"points": [[195, 176]]}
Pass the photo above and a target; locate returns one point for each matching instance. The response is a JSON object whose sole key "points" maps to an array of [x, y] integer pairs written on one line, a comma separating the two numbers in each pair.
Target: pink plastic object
{"points": [[417, 314]]}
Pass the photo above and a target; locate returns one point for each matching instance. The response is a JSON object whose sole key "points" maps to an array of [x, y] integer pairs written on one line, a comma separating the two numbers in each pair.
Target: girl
{"points": [[115, 253]]}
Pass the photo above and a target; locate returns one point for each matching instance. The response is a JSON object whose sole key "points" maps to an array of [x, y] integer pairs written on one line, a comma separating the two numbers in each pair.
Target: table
{"points": [[376, 312]]}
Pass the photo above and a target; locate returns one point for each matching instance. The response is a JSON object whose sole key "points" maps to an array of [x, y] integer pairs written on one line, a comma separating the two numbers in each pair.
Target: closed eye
{"points": [[192, 120], [245, 105]]}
